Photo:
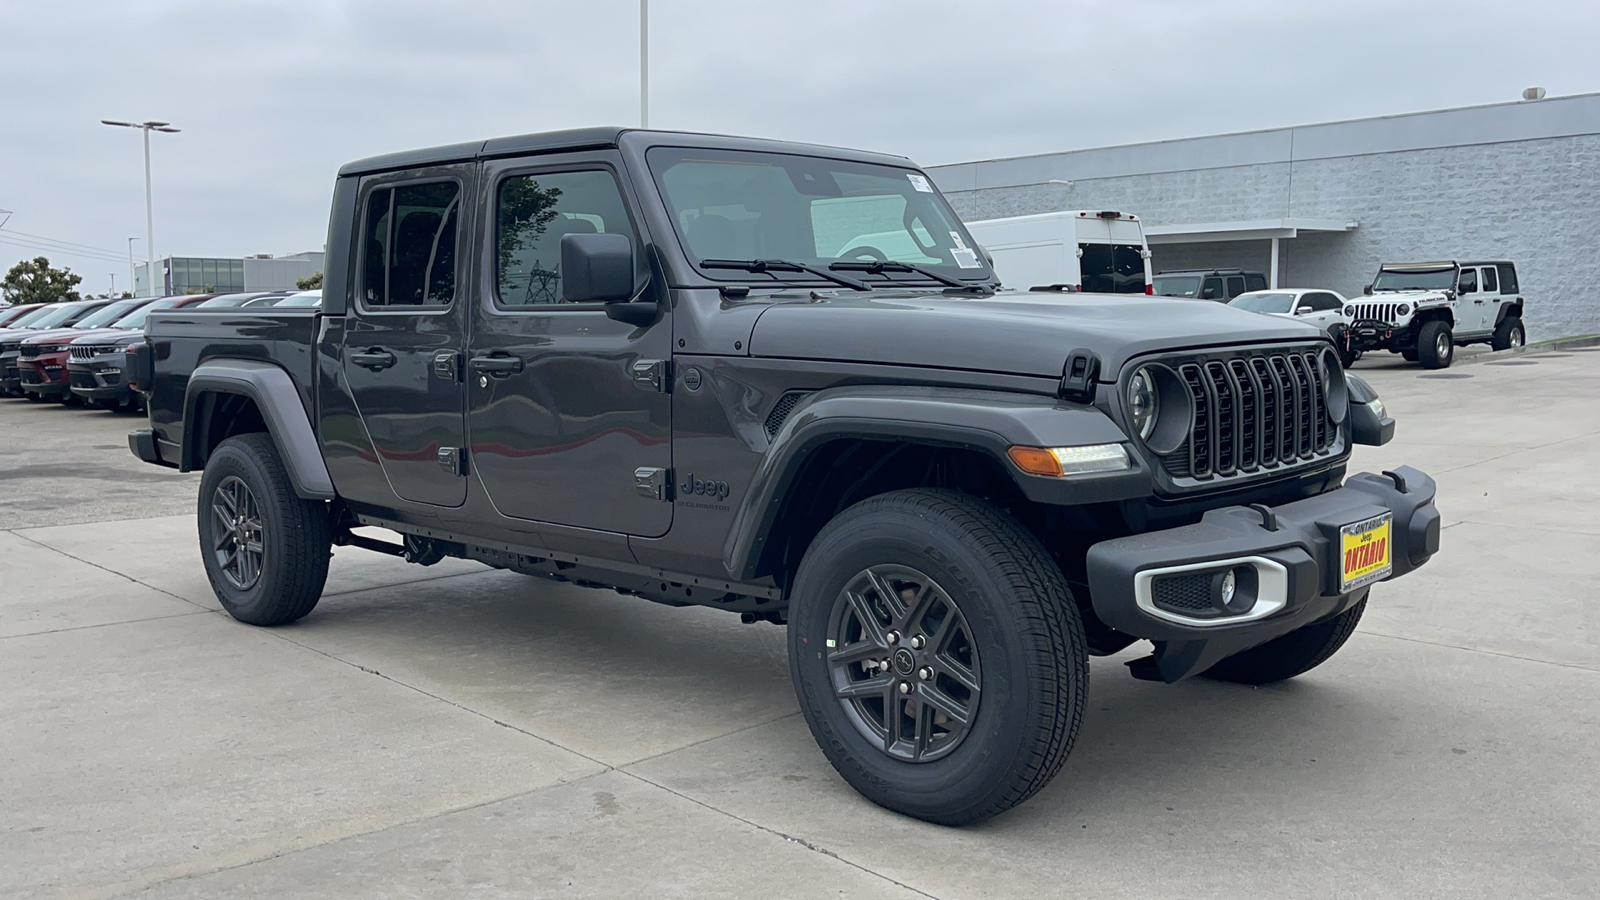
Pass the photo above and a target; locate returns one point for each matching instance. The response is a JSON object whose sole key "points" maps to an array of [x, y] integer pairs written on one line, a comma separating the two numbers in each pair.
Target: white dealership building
{"points": [[1323, 205]]}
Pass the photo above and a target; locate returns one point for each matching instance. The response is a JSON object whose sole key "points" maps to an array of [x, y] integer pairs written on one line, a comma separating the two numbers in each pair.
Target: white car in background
{"points": [[1314, 306]]}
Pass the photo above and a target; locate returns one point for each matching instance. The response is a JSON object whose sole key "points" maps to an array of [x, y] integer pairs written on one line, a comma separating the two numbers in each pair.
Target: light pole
{"points": [[644, 63], [149, 210], [133, 283], [113, 293]]}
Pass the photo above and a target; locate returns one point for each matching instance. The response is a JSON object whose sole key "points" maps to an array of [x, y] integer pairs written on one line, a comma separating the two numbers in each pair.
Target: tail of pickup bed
{"points": [[209, 374]]}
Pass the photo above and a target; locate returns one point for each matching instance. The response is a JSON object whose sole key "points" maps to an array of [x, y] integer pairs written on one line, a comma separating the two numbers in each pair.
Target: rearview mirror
{"points": [[596, 268]]}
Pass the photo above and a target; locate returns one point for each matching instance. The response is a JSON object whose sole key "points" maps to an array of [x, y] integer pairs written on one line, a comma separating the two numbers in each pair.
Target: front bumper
{"points": [[1374, 334], [1294, 550], [98, 380], [10, 377], [45, 375]]}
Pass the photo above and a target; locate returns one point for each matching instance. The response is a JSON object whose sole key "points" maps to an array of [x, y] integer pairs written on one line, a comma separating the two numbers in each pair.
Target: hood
{"points": [[51, 336], [103, 335], [1014, 333], [1411, 296]]}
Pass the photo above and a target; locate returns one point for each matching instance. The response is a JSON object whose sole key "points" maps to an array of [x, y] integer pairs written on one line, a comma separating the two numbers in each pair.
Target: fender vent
{"points": [[780, 411]]}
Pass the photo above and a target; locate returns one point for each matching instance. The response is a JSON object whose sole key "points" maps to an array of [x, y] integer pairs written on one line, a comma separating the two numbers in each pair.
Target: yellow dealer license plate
{"points": [[1365, 550]]}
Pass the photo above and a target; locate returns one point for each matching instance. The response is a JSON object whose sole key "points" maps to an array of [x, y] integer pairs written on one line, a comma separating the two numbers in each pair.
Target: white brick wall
{"points": [[1535, 202]]}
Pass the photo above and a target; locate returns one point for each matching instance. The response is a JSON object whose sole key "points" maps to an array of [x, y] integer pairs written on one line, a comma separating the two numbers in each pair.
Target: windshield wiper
{"points": [[761, 266], [878, 267]]}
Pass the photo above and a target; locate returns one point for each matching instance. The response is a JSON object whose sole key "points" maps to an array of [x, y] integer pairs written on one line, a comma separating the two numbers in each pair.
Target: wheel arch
{"points": [[229, 397], [843, 445], [1508, 311]]}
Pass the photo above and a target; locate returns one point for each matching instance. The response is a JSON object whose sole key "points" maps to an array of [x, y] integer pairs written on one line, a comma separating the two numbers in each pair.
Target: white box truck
{"points": [[1098, 251]]}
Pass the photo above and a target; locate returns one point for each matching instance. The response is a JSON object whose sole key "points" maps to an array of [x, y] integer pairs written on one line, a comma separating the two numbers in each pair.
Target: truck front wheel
{"points": [[1297, 652], [265, 549], [937, 654], [1435, 345]]}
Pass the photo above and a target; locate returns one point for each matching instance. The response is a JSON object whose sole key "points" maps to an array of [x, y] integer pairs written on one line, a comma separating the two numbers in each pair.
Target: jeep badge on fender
{"points": [[693, 485]]}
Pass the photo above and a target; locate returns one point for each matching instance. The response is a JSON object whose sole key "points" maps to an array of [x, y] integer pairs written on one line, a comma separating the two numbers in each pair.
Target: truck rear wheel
{"points": [[1295, 653], [938, 655], [1435, 345], [1509, 334], [265, 550]]}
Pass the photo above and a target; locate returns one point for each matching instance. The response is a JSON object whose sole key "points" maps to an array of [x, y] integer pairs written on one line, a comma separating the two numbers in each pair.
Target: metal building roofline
{"points": [[1253, 230]]}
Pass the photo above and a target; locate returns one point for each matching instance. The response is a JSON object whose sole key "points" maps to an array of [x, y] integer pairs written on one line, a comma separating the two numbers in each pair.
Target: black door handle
{"points": [[499, 366], [374, 358]]}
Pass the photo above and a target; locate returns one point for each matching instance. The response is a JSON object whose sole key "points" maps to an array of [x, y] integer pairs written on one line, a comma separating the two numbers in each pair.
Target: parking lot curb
{"points": [[1566, 343]]}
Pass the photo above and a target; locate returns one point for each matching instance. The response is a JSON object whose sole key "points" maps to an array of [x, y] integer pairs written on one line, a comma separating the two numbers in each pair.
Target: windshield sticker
{"points": [[965, 257], [920, 182], [956, 236]]}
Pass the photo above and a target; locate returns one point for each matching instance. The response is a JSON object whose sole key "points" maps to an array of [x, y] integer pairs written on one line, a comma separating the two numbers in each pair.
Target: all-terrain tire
{"points": [[295, 535], [1027, 640], [1435, 345], [1509, 334], [1295, 653], [1409, 355]]}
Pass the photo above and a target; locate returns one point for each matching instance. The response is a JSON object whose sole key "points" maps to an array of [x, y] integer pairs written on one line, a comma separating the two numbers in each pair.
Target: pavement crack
{"points": [[815, 848], [193, 612], [96, 565], [1548, 662]]}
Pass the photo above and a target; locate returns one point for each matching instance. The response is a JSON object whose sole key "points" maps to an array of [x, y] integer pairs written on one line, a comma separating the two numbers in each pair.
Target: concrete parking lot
{"points": [[456, 731]]}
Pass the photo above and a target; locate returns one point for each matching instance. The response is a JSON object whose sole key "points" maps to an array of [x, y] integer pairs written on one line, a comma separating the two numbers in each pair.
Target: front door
{"points": [[566, 418], [403, 335]]}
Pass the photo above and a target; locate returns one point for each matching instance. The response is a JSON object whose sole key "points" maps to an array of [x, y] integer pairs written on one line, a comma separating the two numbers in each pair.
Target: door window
{"points": [[1490, 283], [1235, 286], [1322, 301], [1255, 282], [533, 213], [409, 245], [1508, 278], [1468, 282], [1212, 289]]}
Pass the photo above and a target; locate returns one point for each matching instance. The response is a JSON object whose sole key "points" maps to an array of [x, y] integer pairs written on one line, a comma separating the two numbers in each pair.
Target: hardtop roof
{"points": [[595, 138]]}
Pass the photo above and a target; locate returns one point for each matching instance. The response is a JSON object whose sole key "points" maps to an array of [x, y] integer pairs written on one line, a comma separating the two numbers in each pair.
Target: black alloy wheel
{"points": [[238, 538], [904, 664]]}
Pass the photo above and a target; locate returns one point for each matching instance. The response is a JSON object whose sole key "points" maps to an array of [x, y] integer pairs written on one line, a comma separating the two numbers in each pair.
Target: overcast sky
{"points": [[272, 97]]}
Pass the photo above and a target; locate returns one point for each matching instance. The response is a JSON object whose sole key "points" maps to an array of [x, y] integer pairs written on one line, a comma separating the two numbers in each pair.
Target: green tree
{"points": [[311, 282], [34, 281]]}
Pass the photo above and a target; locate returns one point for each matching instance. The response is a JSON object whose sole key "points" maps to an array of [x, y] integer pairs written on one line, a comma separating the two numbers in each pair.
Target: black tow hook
{"points": [[1399, 481], [1269, 519]]}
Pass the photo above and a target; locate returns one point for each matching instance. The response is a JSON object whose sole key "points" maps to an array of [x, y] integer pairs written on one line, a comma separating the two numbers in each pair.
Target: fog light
{"points": [[1230, 584], [1233, 591]]}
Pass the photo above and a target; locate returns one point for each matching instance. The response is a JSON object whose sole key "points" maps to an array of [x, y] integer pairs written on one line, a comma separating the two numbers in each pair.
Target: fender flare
{"points": [[274, 393], [987, 421], [1507, 310]]}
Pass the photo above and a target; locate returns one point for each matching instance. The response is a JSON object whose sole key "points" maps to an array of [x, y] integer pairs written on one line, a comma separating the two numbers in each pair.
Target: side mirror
{"points": [[1301, 310], [596, 268], [1367, 290], [1368, 423]]}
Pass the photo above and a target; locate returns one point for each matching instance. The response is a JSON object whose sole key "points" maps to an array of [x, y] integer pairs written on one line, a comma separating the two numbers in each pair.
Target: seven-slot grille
{"points": [[85, 353], [1378, 312], [1253, 413]]}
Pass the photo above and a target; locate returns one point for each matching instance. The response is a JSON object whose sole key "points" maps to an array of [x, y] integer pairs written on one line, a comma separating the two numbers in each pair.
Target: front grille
{"points": [[1253, 413], [1183, 593], [30, 351], [1377, 312], [780, 411], [84, 353]]}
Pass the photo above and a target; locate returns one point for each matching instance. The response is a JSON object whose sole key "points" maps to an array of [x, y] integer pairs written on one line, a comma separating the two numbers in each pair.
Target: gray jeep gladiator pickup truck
{"points": [[644, 361]]}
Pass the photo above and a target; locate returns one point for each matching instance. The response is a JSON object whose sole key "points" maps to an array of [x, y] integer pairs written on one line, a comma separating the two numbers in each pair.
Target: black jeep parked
{"points": [[635, 360]]}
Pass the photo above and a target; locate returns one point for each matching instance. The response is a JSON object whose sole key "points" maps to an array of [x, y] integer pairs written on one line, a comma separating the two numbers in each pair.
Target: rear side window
{"points": [[1508, 278], [1489, 282], [409, 245], [533, 213], [1468, 282], [1255, 283], [1235, 286], [1212, 289]]}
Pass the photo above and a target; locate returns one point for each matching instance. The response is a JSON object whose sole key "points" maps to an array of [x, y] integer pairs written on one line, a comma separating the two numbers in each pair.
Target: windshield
{"points": [[54, 316], [744, 205], [108, 314], [136, 318], [302, 300], [1264, 302], [28, 319], [226, 300], [1177, 285], [1414, 280]]}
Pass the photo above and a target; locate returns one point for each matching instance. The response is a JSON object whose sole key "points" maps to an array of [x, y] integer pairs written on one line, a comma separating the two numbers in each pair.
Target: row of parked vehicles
{"points": [[73, 352]]}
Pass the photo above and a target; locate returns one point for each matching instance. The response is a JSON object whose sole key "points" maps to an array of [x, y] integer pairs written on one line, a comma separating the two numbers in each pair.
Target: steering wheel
{"points": [[867, 251]]}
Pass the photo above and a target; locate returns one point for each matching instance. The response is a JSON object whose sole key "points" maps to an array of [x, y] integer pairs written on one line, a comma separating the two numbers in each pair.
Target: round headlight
{"points": [[1404, 309], [1350, 310], [1142, 400]]}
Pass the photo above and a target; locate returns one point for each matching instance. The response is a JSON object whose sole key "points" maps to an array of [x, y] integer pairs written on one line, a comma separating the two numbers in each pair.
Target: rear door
{"points": [[404, 335], [569, 410]]}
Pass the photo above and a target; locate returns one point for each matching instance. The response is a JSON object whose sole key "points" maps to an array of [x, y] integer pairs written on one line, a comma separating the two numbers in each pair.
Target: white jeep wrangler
{"points": [[1423, 311]]}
